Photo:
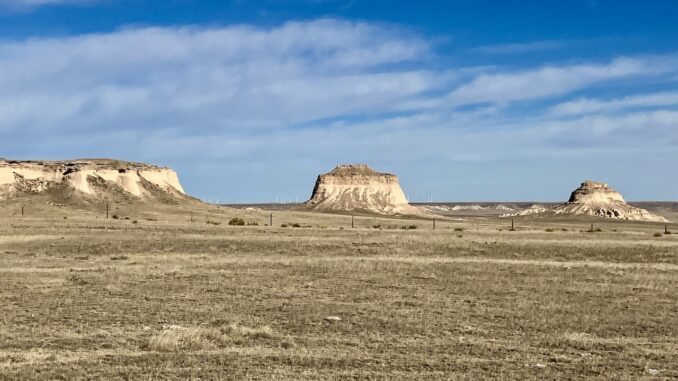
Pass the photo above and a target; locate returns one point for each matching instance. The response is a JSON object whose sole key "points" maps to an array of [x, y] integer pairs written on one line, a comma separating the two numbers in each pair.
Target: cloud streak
{"points": [[30, 4], [593, 106], [550, 81], [518, 48]]}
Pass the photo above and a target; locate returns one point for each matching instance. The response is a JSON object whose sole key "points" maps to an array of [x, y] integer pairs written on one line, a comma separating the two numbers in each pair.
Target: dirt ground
{"points": [[175, 292]]}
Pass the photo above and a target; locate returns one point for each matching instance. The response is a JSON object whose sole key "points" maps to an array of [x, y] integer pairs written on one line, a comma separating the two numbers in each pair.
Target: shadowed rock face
{"points": [[598, 199], [90, 178], [359, 188]]}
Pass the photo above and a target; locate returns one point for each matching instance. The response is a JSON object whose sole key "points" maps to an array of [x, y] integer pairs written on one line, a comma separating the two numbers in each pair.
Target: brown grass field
{"points": [[157, 296]]}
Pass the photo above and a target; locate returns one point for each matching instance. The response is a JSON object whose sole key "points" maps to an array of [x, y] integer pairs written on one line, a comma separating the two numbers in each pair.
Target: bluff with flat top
{"points": [[88, 179], [359, 188]]}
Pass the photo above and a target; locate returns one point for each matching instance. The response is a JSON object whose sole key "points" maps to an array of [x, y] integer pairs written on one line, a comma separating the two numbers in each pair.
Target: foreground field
{"points": [[157, 296]]}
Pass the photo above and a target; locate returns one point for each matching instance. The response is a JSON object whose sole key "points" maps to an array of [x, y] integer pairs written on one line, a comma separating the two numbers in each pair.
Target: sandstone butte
{"points": [[90, 178], [358, 188], [600, 200]]}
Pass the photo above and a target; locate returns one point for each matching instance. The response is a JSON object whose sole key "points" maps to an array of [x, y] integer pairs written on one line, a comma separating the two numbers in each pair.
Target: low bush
{"points": [[235, 221]]}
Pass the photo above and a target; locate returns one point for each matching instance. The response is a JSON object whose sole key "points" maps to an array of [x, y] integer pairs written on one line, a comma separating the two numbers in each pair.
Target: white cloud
{"points": [[589, 105], [232, 77], [553, 80]]}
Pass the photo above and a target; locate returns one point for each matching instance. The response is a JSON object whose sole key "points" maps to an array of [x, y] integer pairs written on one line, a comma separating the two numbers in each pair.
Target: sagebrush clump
{"points": [[235, 221]]}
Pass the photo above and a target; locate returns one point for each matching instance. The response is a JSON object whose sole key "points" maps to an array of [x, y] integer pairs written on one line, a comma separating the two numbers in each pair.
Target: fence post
{"points": [[591, 227], [352, 222], [434, 224], [107, 207], [512, 225], [270, 220], [191, 216], [22, 210]]}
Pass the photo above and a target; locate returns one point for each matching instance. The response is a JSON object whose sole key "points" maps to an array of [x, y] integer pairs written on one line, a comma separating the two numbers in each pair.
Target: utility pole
{"points": [[512, 225]]}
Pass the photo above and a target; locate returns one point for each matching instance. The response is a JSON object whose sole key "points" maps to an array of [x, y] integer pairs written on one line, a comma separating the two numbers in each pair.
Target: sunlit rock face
{"points": [[600, 200], [357, 187], [90, 178]]}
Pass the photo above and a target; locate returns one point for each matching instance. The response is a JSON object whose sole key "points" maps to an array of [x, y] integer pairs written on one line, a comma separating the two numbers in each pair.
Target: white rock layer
{"points": [[532, 210]]}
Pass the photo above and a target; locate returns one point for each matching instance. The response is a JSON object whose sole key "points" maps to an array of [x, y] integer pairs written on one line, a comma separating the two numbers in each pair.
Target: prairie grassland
{"points": [[156, 296]]}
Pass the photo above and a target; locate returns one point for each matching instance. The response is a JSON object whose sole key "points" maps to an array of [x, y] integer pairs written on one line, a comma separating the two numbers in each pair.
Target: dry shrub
{"points": [[235, 221]]}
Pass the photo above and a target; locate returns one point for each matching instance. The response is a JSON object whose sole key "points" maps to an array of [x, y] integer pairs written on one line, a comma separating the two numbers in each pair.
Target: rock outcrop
{"points": [[89, 178], [599, 200], [359, 188], [535, 209]]}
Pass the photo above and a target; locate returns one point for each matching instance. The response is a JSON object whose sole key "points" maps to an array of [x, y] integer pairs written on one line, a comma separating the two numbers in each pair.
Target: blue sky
{"points": [[465, 100]]}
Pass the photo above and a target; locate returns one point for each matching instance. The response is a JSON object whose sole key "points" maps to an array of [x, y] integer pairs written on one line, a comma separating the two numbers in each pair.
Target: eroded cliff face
{"points": [[90, 177], [359, 188], [600, 200]]}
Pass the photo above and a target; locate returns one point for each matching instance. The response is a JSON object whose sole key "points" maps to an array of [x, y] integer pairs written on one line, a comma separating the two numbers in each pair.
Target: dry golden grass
{"points": [[166, 298]]}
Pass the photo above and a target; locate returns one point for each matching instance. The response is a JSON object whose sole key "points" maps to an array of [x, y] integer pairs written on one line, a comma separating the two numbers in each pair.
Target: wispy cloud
{"points": [[554, 80], [233, 77], [30, 4], [516, 48], [591, 105]]}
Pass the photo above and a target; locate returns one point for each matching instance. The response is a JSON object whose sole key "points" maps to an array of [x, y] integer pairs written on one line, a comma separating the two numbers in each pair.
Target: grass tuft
{"points": [[176, 337]]}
